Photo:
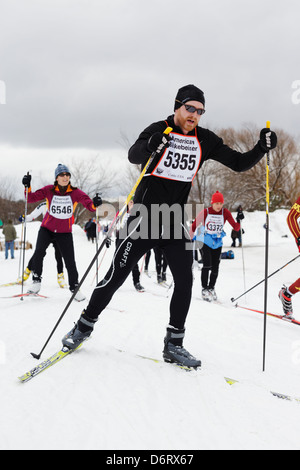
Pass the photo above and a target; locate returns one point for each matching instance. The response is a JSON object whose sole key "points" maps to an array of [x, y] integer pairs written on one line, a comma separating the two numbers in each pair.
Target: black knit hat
{"points": [[189, 93]]}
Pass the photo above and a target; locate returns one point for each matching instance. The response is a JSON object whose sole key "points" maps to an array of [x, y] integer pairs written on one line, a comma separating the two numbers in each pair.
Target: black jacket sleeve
{"points": [[139, 153], [236, 161]]}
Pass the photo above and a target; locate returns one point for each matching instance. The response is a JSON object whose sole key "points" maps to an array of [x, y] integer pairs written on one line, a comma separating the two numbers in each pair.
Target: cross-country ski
{"points": [[280, 317]]}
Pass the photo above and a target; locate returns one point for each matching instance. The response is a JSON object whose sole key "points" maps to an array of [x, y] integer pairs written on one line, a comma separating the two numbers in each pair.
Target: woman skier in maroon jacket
{"points": [[62, 199]]}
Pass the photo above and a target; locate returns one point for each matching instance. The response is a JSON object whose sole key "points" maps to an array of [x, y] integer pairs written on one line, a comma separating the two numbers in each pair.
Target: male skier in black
{"points": [[157, 217]]}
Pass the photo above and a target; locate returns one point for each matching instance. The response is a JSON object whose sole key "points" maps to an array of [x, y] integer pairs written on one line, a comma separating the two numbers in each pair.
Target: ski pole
{"points": [[266, 252], [263, 280], [20, 257], [109, 233], [24, 241], [244, 275], [99, 264], [97, 218]]}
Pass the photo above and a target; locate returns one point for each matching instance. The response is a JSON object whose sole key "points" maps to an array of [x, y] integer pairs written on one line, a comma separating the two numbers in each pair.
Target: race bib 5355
{"points": [[181, 159]]}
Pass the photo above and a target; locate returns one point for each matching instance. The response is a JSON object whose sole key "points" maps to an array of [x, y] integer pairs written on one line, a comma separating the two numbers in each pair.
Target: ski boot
{"points": [[36, 285], [61, 280], [79, 297], [139, 288], [26, 274], [206, 295], [213, 293], [79, 333], [174, 352], [286, 301]]}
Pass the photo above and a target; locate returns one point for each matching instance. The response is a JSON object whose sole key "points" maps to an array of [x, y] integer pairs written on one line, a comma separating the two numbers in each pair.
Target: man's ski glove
{"points": [[26, 181], [158, 142], [97, 200], [298, 243], [267, 139]]}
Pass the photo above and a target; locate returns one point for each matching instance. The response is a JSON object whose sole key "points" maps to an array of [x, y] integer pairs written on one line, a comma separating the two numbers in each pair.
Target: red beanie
{"points": [[217, 197]]}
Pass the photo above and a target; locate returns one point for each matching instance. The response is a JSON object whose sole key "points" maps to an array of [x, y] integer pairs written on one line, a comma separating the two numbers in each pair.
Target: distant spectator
{"points": [[10, 234], [237, 234], [90, 228]]}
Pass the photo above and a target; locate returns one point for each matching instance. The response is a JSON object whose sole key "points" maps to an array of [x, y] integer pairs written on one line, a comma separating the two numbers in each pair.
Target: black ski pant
{"points": [[211, 260], [136, 274], [65, 244], [147, 259], [129, 250], [58, 257], [160, 261]]}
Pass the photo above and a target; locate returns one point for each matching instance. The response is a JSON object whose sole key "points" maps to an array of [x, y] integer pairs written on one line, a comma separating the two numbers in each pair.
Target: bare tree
{"points": [[91, 176], [249, 188]]}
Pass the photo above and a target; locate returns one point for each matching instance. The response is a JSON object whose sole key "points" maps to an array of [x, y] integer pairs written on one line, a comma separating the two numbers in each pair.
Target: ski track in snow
{"points": [[100, 398]]}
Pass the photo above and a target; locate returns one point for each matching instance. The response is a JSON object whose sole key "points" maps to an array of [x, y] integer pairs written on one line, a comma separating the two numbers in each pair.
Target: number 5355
{"points": [[183, 161]]}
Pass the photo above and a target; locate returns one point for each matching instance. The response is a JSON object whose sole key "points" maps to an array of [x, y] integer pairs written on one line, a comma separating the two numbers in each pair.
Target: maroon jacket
{"points": [[61, 206]]}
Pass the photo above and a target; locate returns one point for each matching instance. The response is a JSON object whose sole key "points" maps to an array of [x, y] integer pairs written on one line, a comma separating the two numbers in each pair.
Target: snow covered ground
{"points": [[101, 398]]}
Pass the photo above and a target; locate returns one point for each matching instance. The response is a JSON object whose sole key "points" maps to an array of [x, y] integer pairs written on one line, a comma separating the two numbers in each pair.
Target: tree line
{"points": [[249, 188]]}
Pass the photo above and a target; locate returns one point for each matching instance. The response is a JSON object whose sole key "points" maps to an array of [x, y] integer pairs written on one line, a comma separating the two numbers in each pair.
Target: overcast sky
{"points": [[77, 74]]}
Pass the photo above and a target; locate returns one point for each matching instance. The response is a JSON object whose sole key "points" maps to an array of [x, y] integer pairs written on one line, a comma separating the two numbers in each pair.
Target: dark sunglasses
{"points": [[64, 174], [192, 109]]}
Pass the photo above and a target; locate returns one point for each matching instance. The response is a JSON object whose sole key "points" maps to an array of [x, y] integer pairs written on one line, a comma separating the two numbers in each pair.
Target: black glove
{"points": [[158, 142], [97, 200], [267, 139], [26, 180], [107, 242]]}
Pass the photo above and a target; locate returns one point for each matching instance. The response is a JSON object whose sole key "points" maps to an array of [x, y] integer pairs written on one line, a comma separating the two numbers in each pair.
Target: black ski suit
{"points": [[167, 182]]}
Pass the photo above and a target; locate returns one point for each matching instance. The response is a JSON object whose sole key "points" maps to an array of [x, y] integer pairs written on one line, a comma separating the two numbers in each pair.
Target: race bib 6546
{"points": [[61, 207]]}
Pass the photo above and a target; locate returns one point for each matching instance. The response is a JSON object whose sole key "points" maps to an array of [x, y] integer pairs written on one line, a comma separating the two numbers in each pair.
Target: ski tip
{"points": [[268, 124]]}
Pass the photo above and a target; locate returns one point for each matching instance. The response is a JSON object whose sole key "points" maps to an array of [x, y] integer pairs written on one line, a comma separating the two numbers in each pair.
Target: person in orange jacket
{"points": [[286, 293]]}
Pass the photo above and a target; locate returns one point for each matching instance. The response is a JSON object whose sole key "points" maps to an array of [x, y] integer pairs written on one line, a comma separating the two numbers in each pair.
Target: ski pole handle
{"points": [[268, 125], [131, 194]]}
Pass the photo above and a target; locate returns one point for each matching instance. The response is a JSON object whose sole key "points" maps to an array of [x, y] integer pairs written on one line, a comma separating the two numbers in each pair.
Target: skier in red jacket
{"points": [[212, 220], [286, 293]]}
